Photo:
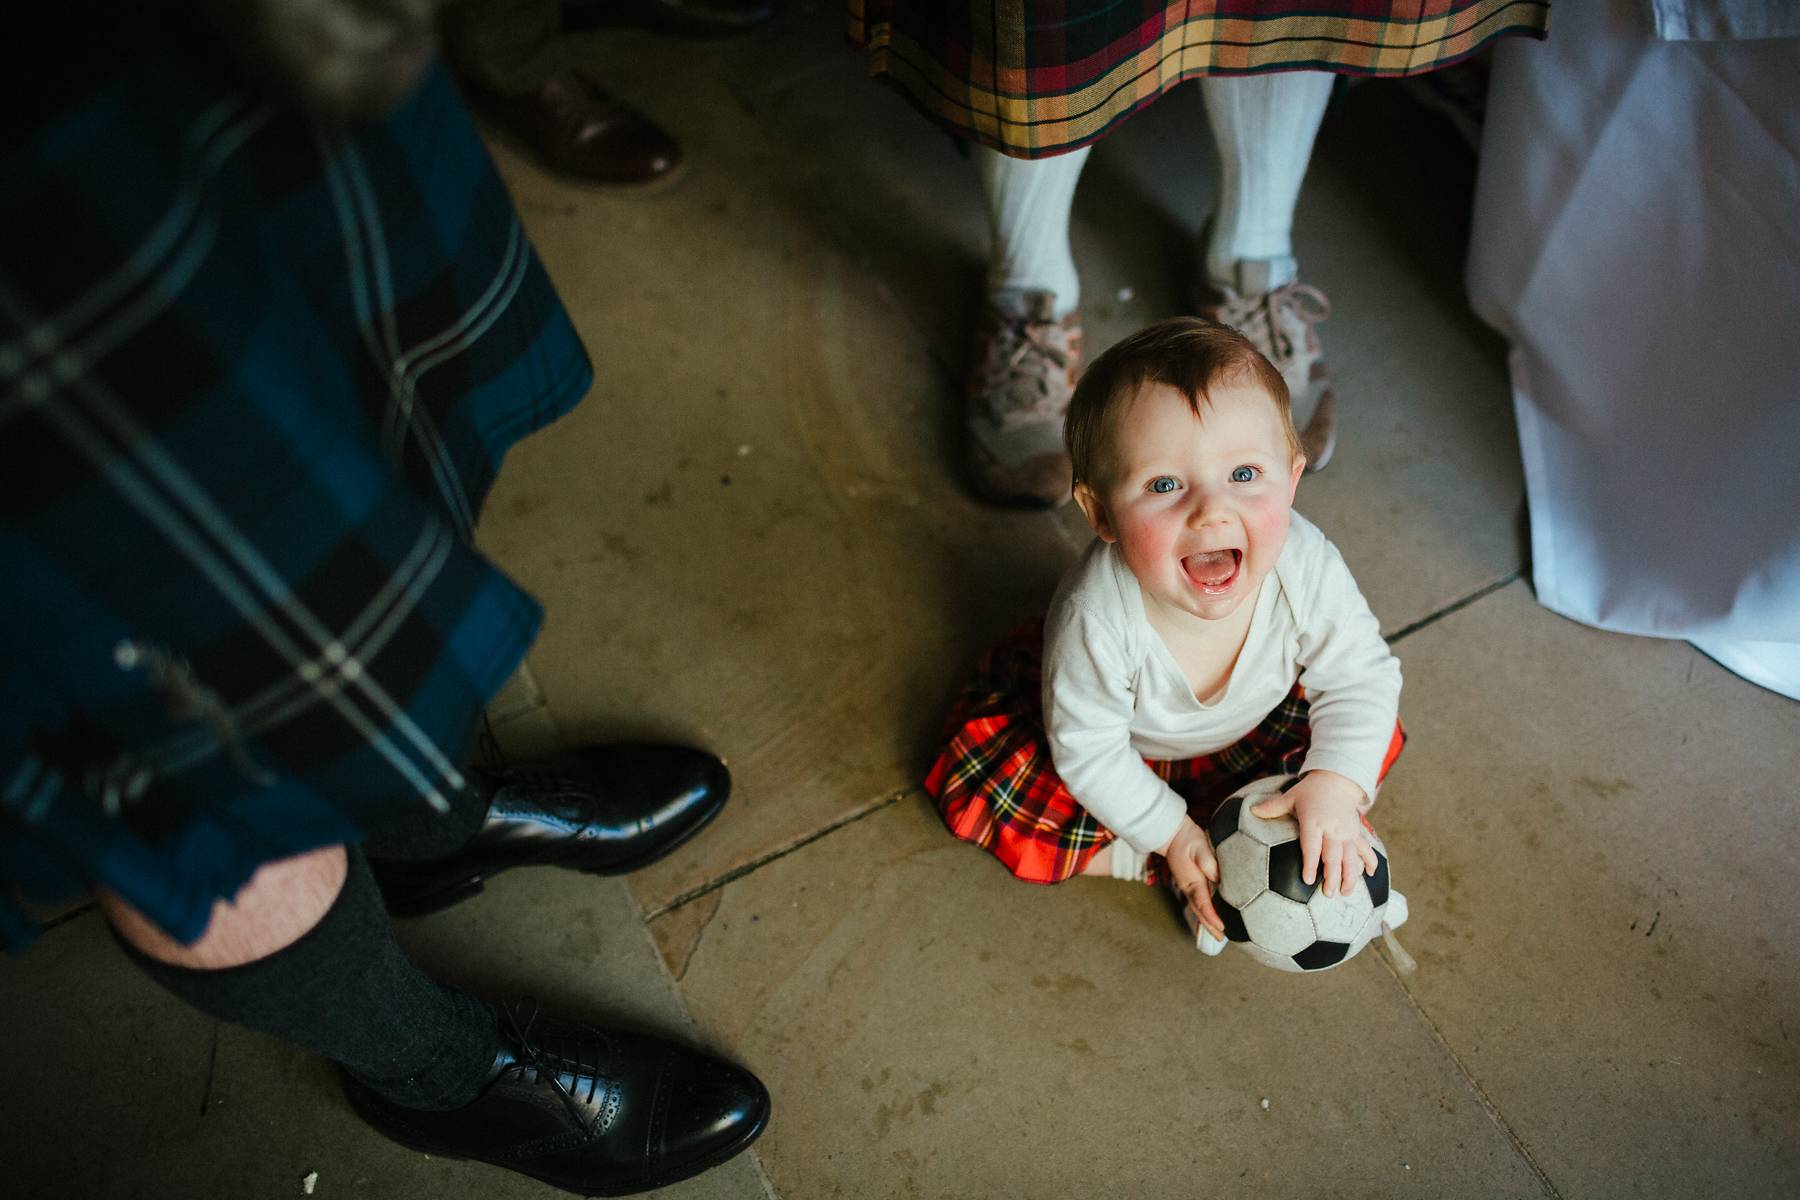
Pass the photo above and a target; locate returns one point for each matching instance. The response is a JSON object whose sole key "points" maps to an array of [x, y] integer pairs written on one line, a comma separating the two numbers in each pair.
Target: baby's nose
{"points": [[1208, 506]]}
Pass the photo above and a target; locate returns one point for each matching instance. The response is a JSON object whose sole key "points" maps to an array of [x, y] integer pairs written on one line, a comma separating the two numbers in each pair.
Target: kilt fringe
{"points": [[1051, 80]]}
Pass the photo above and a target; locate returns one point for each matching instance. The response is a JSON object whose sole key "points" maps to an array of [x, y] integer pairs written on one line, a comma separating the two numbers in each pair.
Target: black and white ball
{"points": [[1269, 910]]}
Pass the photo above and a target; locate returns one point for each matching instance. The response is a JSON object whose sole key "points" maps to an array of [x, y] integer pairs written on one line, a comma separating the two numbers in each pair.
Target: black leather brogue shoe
{"points": [[604, 810], [594, 1111]]}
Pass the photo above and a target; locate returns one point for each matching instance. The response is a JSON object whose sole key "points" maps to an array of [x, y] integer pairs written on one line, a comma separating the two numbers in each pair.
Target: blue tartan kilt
{"points": [[258, 373]]}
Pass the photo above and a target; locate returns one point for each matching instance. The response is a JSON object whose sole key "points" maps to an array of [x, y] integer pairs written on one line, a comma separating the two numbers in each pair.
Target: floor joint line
{"points": [[212, 1063], [739, 872], [1487, 1104], [1456, 606], [65, 918]]}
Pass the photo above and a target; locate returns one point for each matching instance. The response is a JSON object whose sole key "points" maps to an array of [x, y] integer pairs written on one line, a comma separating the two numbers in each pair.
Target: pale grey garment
{"points": [[1634, 238], [1722, 20]]}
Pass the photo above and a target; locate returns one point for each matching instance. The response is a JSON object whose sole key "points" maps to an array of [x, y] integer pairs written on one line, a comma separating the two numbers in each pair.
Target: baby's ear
{"points": [[1095, 512]]}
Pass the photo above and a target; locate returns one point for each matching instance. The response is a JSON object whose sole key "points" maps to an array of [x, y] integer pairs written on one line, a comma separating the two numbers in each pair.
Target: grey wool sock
{"points": [[347, 991]]}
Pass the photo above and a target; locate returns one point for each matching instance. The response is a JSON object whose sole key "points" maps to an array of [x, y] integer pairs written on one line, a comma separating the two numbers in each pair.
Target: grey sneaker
{"points": [[1280, 322], [1021, 375]]}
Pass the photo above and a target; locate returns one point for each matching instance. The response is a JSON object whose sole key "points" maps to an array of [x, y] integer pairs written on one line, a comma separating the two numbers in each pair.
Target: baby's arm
{"points": [[1352, 682], [1088, 704], [1196, 872], [1351, 678], [1089, 701]]}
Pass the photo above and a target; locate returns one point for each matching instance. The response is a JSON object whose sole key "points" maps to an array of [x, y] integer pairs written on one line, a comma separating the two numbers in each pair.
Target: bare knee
{"points": [[282, 901]]}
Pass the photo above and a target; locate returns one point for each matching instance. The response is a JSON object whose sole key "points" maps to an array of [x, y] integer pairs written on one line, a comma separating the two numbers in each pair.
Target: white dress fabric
{"points": [[1635, 239], [1114, 695]]}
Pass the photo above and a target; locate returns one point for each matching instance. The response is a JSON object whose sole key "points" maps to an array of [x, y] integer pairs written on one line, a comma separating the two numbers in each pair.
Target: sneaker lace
{"points": [[1034, 342], [568, 1062], [1258, 317]]}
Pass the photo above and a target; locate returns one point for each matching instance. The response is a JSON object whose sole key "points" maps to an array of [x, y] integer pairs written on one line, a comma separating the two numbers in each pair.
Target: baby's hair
{"points": [[1191, 355]]}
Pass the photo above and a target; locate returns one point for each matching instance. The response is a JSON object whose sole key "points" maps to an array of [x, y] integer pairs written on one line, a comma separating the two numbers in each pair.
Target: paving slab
{"points": [[754, 535], [745, 538], [931, 1027], [1425, 496], [104, 1070], [1599, 838], [120, 1092]]}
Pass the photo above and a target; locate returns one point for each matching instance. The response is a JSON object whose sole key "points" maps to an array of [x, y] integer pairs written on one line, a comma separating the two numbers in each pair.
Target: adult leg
{"points": [[281, 903], [305, 952], [1264, 126], [512, 47], [604, 809], [513, 57], [1028, 206], [1028, 342]]}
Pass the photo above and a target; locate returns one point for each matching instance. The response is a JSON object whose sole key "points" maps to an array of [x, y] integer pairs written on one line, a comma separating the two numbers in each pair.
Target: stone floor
{"points": [[753, 536]]}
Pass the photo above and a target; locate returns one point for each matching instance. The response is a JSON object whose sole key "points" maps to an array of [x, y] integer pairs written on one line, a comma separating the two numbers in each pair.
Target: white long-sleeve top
{"points": [[1114, 695]]}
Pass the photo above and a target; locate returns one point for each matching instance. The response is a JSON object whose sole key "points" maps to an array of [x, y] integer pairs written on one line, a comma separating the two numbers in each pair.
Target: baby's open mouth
{"points": [[1213, 571]]}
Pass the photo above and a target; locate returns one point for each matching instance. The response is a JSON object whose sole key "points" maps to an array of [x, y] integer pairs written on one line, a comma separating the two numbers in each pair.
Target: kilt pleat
{"points": [[257, 373]]}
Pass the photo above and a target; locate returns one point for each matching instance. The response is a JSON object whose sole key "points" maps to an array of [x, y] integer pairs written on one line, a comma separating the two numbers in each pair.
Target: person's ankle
{"points": [[1009, 299], [1252, 276], [1118, 860]]}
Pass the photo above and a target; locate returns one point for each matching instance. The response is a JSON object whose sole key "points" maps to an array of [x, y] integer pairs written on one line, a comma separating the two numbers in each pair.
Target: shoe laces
{"points": [[1032, 345], [1270, 319], [524, 778], [528, 779], [569, 1058]]}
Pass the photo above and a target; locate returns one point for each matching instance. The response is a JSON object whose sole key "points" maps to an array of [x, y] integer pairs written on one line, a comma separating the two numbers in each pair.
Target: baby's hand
{"points": [[1331, 830], [1191, 862]]}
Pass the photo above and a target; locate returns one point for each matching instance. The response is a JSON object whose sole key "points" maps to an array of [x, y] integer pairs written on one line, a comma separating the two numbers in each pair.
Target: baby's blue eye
{"points": [[1163, 483], [1243, 475]]}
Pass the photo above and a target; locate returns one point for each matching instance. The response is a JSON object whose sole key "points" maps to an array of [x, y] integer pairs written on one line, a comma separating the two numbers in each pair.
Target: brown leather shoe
{"points": [[578, 129], [686, 18]]}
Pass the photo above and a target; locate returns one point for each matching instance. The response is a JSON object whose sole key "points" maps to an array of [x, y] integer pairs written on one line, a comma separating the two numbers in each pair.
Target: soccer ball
{"points": [[1269, 910]]}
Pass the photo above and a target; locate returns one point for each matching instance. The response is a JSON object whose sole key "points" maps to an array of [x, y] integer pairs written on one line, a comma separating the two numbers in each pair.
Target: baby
{"points": [[1208, 637]]}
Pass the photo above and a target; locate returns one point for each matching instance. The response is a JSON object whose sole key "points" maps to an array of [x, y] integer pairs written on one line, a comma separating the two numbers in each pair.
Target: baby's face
{"points": [[1198, 504]]}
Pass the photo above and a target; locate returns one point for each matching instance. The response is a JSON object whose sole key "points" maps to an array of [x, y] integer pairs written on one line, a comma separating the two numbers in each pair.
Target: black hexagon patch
{"points": [[1232, 919], [1224, 821], [1284, 873], [1378, 882], [1320, 955]]}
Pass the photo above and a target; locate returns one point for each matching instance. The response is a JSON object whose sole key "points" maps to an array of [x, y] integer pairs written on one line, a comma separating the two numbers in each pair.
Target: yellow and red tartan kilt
{"points": [[1032, 78], [996, 786]]}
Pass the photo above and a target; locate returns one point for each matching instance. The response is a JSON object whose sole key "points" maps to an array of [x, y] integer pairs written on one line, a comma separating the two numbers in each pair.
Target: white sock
{"points": [[1127, 863], [1392, 919], [1028, 203], [1264, 126]]}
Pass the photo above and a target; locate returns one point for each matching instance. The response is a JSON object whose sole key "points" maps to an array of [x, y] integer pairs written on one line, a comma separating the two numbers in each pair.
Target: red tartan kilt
{"points": [[995, 785]]}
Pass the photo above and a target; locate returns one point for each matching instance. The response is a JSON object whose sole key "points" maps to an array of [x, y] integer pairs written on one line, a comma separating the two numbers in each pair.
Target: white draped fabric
{"points": [[1637, 239]]}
